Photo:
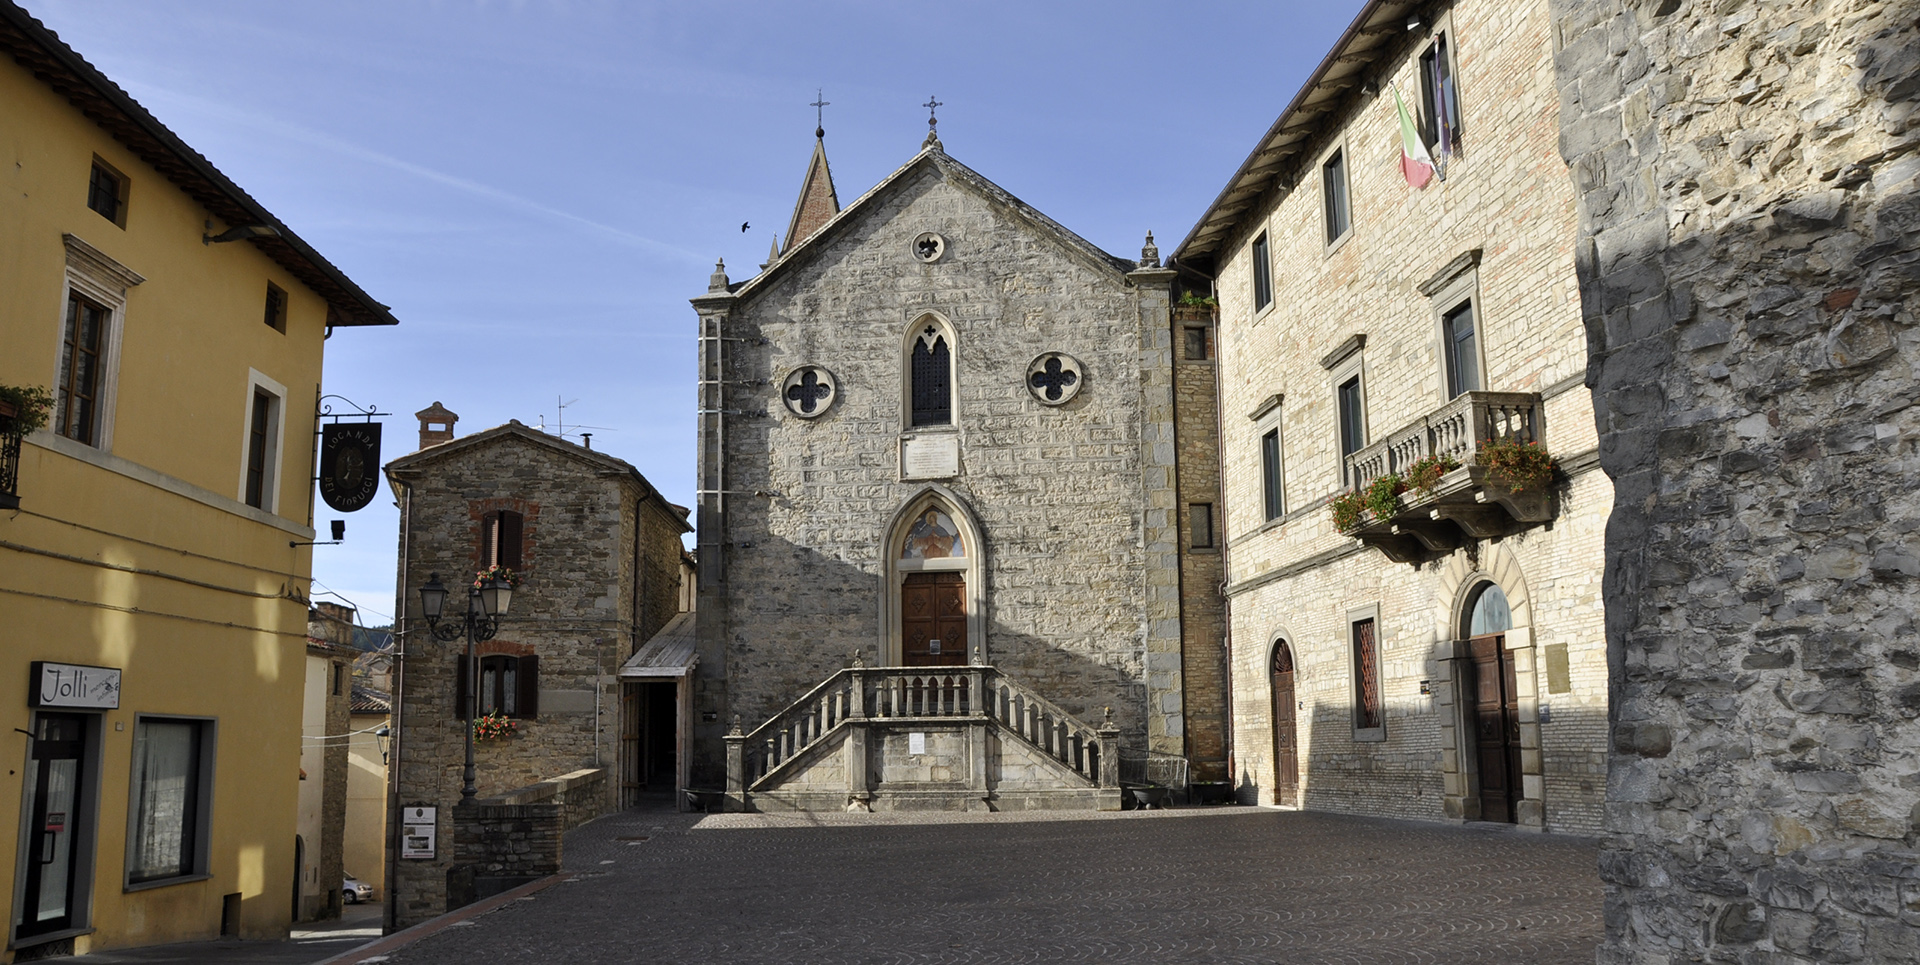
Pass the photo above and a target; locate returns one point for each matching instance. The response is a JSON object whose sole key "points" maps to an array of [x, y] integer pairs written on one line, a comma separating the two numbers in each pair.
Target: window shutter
{"points": [[463, 675], [510, 539], [529, 687], [489, 527]]}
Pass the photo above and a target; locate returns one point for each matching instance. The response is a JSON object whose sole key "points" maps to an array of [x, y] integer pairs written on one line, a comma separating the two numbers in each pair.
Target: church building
{"points": [[940, 542]]}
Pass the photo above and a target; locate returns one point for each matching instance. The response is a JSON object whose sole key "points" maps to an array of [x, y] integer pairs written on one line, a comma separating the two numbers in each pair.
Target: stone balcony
{"points": [[1464, 505]]}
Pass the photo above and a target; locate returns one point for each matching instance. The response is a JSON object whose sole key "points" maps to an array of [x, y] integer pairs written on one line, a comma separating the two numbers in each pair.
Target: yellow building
{"points": [[152, 608]]}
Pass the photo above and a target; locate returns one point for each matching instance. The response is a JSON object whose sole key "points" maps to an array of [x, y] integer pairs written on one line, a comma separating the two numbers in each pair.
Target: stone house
{"points": [[598, 553], [1441, 655], [1748, 178], [940, 547]]}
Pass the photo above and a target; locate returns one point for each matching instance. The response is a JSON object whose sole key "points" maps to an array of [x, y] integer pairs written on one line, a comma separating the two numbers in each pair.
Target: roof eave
{"points": [[348, 304]]}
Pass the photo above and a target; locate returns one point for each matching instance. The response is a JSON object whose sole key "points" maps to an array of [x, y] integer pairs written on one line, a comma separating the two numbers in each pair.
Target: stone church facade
{"points": [[939, 546], [1440, 656]]}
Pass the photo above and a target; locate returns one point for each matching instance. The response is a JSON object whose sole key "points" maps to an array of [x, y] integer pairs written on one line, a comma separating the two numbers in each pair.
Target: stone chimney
{"points": [[436, 425]]}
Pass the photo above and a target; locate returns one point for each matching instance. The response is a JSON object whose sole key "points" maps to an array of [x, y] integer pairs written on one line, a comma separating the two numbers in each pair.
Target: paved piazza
{"points": [[1216, 885]]}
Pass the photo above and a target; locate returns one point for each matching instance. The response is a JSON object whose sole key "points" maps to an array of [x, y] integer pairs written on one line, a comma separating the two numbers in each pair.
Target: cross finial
{"points": [[933, 122], [819, 116]]}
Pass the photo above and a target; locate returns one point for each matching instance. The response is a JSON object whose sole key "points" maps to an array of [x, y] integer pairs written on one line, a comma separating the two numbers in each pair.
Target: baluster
{"points": [[771, 755]]}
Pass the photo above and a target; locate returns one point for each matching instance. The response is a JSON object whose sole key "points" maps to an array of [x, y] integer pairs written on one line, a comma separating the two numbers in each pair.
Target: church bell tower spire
{"points": [[818, 203]]}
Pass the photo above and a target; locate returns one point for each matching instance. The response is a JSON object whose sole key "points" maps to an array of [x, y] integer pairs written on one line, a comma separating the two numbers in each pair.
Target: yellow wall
{"points": [[198, 599], [365, 854]]}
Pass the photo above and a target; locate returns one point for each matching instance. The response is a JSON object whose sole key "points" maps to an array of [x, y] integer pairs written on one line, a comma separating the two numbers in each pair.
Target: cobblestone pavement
{"points": [[1215, 885]]}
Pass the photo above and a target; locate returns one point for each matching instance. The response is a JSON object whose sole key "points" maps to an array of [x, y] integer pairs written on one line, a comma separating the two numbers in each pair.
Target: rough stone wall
{"points": [[500, 846], [656, 583], [1059, 492], [1203, 624], [333, 796], [1295, 577], [1749, 225], [574, 610]]}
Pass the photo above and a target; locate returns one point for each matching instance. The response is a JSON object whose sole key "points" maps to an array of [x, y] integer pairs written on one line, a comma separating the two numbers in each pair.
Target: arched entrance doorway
{"points": [[1494, 704], [933, 599], [1286, 742]]}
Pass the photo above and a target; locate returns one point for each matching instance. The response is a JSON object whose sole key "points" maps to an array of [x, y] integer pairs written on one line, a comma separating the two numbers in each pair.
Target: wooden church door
{"points": [[933, 620], [1286, 751], [1496, 730]]}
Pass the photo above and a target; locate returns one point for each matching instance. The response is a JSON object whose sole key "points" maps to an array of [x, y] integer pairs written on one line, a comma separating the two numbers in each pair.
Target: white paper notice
{"points": [[916, 743]]}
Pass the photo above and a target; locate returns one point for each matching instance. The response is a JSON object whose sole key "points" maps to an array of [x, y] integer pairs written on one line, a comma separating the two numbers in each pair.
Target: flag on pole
{"points": [[1415, 162]]}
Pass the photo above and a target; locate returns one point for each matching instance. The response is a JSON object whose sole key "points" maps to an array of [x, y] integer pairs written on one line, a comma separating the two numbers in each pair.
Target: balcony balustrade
{"points": [[1464, 504]]}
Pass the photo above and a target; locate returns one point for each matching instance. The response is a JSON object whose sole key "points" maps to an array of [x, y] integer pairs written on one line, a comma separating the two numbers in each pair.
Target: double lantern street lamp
{"points": [[494, 597]]}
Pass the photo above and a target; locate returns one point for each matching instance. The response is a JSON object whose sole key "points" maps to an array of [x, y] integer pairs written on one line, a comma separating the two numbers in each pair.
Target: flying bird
{"points": [[744, 226]]}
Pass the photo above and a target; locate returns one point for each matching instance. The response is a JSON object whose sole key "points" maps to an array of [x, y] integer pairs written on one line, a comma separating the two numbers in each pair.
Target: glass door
{"points": [[53, 812]]}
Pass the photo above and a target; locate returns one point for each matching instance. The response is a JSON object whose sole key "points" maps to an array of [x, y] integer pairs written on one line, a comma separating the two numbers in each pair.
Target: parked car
{"points": [[354, 891]]}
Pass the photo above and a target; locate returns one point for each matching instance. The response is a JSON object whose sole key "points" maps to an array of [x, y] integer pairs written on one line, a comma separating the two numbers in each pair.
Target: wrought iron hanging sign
{"points": [[349, 464]]}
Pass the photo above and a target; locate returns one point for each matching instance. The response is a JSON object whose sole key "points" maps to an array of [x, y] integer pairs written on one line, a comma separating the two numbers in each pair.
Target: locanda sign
{"points": [[73, 685], [349, 464]]}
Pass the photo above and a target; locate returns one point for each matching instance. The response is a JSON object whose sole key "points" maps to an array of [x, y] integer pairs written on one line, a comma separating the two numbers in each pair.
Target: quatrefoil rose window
{"points": [[1055, 378], [809, 391], [929, 247]]}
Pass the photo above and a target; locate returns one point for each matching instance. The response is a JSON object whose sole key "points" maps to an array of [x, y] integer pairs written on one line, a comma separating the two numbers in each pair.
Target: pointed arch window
{"points": [[932, 378]]}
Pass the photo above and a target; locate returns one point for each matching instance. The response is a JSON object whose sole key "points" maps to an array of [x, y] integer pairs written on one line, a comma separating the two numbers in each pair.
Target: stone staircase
{"points": [[923, 738]]}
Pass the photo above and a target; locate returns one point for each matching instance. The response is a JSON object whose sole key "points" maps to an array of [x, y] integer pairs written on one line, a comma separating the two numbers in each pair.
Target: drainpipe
{"points": [[396, 728]]}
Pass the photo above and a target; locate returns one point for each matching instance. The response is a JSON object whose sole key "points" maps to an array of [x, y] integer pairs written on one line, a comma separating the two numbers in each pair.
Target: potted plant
{"points": [[1382, 495], [1425, 473], [1519, 465], [1348, 509], [494, 726], [24, 408]]}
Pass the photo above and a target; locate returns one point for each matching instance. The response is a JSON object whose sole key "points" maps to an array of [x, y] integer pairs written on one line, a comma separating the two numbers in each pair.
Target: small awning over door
{"points": [[668, 654]]}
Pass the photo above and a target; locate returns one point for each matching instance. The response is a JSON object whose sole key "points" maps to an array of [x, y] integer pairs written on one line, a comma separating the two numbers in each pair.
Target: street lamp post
{"points": [[494, 596]]}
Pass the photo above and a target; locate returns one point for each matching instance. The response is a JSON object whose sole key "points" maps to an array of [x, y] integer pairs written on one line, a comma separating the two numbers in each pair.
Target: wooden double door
{"points": [[933, 620], [1496, 726]]}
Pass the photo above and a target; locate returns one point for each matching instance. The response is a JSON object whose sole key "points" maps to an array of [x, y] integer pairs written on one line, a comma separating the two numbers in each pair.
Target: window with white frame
{"points": [[93, 314], [261, 450]]}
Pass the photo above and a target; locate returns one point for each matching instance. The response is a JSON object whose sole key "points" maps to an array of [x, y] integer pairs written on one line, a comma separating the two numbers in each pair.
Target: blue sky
{"points": [[537, 188]]}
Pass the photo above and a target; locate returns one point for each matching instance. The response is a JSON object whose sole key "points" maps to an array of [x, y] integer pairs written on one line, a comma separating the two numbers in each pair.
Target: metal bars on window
{"points": [[1366, 671]]}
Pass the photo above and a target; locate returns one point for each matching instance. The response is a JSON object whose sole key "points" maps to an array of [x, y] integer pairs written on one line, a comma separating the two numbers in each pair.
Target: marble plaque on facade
{"points": [[930, 457]]}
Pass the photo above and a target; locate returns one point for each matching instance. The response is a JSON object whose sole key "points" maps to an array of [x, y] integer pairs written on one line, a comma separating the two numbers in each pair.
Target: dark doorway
{"points": [[299, 871], [652, 741], [933, 620], [1286, 741], [1496, 726], [55, 774]]}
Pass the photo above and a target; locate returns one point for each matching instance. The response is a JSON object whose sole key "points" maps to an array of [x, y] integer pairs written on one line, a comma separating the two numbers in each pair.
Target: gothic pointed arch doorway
{"points": [[1286, 741], [933, 600]]}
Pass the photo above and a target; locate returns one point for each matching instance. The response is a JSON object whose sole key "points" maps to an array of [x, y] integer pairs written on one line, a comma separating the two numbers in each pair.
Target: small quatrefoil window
{"points": [[929, 247], [1055, 378], [809, 391]]}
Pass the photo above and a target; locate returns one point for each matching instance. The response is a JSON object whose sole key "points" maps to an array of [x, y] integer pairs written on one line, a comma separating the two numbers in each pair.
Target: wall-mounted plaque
{"points": [[73, 685], [930, 456], [417, 831]]}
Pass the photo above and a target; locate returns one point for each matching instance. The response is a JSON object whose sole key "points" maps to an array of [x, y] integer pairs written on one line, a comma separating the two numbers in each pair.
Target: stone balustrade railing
{"points": [[865, 696], [1455, 429]]}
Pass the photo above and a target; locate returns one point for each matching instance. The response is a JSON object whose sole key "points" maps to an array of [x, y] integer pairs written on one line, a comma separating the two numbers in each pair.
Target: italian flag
{"points": [[1415, 162]]}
